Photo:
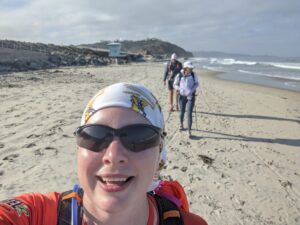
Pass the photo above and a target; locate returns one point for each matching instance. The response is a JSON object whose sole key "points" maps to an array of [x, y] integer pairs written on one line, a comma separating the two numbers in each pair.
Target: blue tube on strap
{"points": [[74, 205]]}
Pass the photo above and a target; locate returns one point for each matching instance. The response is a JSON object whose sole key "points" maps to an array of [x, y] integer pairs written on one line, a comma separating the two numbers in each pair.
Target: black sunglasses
{"points": [[135, 137]]}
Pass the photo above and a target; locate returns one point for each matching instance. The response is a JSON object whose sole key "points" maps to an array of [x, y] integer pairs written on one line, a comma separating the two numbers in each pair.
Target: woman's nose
{"points": [[115, 153]]}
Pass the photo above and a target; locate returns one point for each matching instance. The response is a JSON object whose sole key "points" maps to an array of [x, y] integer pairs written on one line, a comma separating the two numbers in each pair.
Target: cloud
{"points": [[230, 25]]}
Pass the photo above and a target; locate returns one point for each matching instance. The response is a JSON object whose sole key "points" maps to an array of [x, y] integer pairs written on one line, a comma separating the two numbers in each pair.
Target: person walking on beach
{"points": [[120, 139], [172, 69], [186, 83]]}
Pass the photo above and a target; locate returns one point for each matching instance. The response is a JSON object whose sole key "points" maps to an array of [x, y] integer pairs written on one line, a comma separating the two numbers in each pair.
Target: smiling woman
{"points": [[120, 147]]}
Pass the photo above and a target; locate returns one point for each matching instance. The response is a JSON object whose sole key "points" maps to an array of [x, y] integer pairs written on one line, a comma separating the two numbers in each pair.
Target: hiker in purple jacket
{"points": [[186, 84]]}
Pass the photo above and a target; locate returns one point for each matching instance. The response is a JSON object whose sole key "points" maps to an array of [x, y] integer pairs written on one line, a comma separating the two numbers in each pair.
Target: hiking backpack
{"points": [[169, 213]]}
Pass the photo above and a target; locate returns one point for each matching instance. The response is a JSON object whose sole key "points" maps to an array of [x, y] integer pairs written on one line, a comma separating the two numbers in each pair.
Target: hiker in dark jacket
{"points": [[186, 84], [172, 69]]}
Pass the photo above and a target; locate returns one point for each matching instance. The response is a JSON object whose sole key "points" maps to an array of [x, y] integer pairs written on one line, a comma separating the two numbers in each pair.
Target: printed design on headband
{"points": [[19, 206], [139, 92], [156, 102], [89, 109], [138, 104]]}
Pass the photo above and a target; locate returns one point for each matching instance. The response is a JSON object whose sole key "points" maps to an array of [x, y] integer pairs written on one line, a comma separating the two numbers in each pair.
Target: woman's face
{"points": [[115, 177], [188, 70]]}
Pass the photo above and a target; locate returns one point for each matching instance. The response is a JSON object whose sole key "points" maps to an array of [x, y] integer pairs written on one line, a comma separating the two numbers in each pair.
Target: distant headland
{"points": [[22, 56]]}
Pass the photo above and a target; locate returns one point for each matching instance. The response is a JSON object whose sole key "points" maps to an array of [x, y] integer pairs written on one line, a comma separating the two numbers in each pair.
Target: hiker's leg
{"points": [[171, 98], [177, 100], [182, 102], [171, 93], [190, 107]]}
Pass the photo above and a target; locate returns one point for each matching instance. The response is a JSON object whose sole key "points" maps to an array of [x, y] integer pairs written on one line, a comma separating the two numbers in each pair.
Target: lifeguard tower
{"points": [[114, 50]]}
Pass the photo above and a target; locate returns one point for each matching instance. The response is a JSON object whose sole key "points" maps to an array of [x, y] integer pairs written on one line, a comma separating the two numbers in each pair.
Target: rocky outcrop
{"points": [[22, 56]]}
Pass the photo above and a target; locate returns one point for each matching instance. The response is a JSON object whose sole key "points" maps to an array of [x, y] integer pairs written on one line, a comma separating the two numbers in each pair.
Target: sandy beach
{"points": [[242, 165]]}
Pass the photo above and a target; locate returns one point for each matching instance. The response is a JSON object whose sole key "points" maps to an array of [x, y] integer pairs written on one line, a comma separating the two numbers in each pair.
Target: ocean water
{"points": [[270, 71]]}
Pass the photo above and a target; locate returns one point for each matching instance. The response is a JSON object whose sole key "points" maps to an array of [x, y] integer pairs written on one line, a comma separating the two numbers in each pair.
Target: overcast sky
{"points": [[240, 26]]}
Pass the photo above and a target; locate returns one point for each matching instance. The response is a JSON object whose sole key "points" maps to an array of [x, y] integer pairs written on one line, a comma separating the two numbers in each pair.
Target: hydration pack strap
{"points": [[72, 195], [168, 212], [64, 209]]}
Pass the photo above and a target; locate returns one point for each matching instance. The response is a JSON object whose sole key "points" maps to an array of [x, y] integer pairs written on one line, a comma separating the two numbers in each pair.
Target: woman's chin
{"points": [[112, 204]]}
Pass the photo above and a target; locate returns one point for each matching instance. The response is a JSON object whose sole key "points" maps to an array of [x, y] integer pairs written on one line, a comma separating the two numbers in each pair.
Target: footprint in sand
{"points": [[38, 152], [186, 156], [67, 136], [52, 149], [33, 136], [11, 157], [30, 145], [206, 159], [11, 125], [2, 145], [183, 169], [175, 167]]}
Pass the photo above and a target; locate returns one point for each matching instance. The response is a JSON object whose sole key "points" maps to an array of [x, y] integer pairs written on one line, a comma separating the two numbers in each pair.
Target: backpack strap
{"points": [[64, 212], [193, 76], [169, 213], [180, 76]]}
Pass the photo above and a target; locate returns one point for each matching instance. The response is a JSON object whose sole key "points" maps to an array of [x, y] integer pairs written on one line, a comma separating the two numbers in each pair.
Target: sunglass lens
{"points": [[139, 137], [94, 138]]}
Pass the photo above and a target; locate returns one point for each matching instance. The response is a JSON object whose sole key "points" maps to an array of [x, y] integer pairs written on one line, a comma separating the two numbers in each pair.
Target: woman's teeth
{"points": [[114, 180], [110, 180]]}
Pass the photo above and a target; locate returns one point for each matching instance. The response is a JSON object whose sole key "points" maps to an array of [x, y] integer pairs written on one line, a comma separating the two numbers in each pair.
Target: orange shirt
{"points": [[37, 208], [30, 209]]}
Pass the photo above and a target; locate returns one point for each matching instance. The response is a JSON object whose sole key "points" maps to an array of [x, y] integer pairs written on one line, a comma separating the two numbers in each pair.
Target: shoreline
{"points": [[261, 87], [258, 72], [240, 167]]}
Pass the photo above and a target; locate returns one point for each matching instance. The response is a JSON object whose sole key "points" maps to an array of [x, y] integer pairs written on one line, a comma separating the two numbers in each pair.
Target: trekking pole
{"points": [[195, 113]]}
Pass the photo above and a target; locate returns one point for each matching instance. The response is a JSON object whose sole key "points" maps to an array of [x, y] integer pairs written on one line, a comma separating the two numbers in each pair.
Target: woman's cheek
{"points": [[87, 160]]}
